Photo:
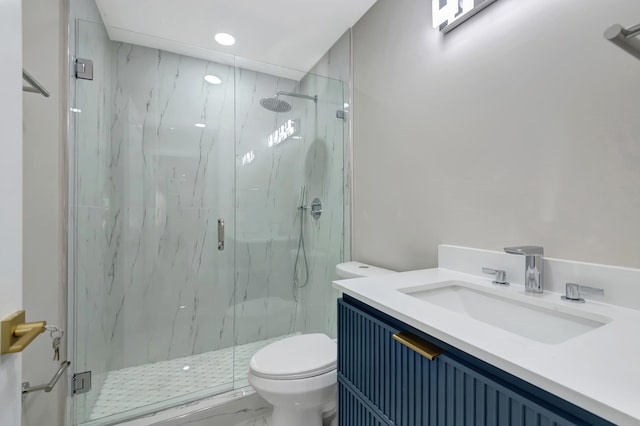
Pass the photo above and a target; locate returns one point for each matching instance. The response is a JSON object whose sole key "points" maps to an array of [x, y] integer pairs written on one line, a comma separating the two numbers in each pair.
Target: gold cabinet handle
{"points": [[419, 345], [16, 334]]}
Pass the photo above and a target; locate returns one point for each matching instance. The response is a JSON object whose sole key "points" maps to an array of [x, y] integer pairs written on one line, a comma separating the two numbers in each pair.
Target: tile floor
{"points": [[150, 384], [266, 421], [258, 421]]}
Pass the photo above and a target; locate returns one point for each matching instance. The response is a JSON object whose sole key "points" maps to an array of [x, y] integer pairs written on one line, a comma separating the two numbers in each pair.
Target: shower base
{"points": [[142, 390]]}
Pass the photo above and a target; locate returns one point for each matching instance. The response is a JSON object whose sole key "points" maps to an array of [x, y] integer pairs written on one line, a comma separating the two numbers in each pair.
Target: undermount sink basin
{"points": [[511, 313]]}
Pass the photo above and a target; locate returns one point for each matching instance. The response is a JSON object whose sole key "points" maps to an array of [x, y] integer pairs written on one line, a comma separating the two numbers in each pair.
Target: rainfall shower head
{"points": [[278, 105]]}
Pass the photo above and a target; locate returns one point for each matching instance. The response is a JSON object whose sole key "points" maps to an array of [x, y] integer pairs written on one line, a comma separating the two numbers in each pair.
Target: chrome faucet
{"points": [[533, 274]]}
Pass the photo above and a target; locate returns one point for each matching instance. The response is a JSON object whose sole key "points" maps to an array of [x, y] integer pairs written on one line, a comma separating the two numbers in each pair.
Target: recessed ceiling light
{"points": [[212, 79], [225, 39], [201, 125]]}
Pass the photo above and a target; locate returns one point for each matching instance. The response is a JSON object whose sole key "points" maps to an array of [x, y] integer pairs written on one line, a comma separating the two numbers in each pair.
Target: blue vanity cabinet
{"points": [[389, 380]]}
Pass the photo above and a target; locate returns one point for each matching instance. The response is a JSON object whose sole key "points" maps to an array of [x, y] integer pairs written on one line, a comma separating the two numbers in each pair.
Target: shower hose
{"points": [[297, 284]]}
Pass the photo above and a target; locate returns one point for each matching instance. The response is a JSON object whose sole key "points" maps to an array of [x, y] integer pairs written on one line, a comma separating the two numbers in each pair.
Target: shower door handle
{"points": [[220, 234]]}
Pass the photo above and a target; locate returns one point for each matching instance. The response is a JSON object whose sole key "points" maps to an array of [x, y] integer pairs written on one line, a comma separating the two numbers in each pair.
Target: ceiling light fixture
{"points": [[225, 39], [212, 79], [201, 125]]}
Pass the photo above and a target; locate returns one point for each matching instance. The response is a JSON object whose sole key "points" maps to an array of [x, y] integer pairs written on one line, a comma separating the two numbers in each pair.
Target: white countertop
{"points": [[598, 371]]}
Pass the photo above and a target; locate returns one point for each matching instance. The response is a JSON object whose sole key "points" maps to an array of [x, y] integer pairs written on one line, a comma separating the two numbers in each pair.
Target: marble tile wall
{"points": [[151, 283], [265, 212], [172, 178], [326, 174], [268, 219]]}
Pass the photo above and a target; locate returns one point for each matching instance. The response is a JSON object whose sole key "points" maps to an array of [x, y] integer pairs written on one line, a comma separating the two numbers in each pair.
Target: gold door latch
{"points": [[16, 334]]}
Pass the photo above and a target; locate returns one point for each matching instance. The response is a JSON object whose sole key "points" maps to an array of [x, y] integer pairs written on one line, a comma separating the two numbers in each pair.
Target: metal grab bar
{"points": [[35, 87], [26, 388]]}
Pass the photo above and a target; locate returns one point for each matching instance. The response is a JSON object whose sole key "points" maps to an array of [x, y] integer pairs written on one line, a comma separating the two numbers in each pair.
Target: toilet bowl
{"points": [[298, 375]]}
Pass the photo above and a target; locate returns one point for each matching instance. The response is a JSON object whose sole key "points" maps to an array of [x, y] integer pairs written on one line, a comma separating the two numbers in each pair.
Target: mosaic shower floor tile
{"points": [[149, 384]]}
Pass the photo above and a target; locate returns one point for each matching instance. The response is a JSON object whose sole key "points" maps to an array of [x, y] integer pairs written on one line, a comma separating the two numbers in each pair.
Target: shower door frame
{"points": [[71, 170]]}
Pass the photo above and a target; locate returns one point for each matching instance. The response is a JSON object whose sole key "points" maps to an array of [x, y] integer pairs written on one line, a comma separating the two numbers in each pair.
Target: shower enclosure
{"points": [[190, 201]]}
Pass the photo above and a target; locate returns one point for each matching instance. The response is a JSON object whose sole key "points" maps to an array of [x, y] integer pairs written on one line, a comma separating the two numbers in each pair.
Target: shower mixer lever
{"points": [[315, 207]]}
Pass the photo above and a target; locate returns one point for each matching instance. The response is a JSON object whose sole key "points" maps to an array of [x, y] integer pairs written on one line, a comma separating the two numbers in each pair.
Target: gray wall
{"points": [[10, 183], [44, 295], [519, 127]]}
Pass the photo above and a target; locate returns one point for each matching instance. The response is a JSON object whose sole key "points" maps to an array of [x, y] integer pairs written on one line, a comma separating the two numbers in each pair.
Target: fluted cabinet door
{"points": [[354, 411], [392, 377]]}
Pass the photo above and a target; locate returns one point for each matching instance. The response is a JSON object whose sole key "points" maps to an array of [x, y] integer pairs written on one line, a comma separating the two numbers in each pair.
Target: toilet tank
{"points": [[357, 269]]}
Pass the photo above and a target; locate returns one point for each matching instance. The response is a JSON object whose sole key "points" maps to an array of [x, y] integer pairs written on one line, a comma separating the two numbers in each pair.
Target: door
{"points": [[153, 197], [11, 196]]}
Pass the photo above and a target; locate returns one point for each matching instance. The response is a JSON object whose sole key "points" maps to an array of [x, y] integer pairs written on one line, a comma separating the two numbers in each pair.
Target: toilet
{"points": [[298, 375]]}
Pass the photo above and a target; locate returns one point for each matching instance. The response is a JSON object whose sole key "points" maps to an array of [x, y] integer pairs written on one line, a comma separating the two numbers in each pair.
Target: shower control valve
{"points": [[316, 208]]}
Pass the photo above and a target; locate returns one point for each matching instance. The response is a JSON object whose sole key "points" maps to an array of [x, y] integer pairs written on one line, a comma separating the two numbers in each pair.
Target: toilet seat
{"points": [[297, 357]]}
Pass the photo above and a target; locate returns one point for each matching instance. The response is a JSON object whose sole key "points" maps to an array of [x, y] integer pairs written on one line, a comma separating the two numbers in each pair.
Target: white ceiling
{"points": [[270, 34]]}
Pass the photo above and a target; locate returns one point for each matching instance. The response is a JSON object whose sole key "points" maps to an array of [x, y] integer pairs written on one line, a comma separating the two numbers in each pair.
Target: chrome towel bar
{"points": [[35, 87], [625, 38], [26, 388]]}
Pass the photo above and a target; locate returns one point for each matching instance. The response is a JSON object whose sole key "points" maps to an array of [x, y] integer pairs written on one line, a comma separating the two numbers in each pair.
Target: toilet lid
{"points": [[296, 357]]}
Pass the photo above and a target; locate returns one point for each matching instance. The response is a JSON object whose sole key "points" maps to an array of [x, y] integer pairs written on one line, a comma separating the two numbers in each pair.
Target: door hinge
{"points": [[81, 382], [83, 68]]}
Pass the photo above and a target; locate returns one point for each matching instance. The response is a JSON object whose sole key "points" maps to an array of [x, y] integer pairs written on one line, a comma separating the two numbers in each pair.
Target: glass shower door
{"points": [[153, 174], [290, 138]]}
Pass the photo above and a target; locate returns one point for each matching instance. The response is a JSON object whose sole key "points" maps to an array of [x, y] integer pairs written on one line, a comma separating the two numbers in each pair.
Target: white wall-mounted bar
{"points": [[35, 87], [625, 38]]}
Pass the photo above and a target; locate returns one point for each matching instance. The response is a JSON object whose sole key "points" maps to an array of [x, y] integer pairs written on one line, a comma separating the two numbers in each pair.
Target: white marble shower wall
{"points": [[173, 184], [326, 172], [266, 186], [322, 174]]}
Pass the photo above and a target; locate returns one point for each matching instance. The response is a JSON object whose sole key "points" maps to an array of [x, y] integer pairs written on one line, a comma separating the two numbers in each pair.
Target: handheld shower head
{"points": [[303, 196]]}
